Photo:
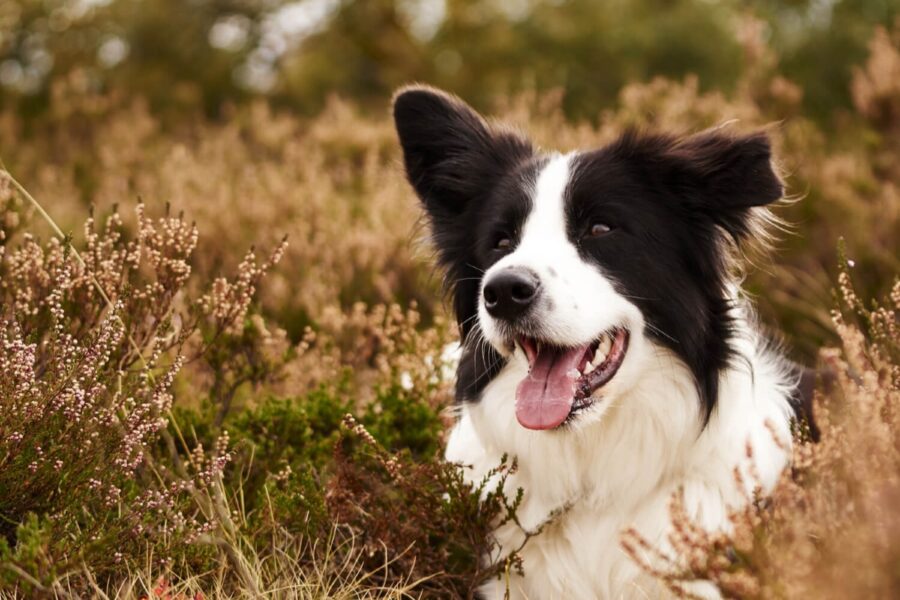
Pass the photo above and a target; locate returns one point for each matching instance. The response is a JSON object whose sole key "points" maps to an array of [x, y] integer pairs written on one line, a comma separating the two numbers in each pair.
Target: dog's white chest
{"points": [[620, 474], [577, 553]]}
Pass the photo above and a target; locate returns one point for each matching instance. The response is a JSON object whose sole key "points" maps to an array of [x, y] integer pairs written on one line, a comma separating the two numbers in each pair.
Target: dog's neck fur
{"points": [[623, 471]]}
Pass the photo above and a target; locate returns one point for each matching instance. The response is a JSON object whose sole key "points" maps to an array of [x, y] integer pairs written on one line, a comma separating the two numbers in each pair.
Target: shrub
{"points": [[830, 529], [90, 344]]}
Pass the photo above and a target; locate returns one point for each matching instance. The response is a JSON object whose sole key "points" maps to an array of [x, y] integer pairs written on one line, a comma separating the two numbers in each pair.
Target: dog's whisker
{"points": [[659, 331], [469, 320]]}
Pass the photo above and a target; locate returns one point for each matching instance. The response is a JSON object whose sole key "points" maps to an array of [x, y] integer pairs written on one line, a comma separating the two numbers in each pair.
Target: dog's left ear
{"points": [[725, 175], [453, 159], [452, 155]]}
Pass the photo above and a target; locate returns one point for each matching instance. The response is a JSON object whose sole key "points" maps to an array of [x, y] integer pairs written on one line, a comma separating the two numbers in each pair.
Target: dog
{"points": [[606, 343]]}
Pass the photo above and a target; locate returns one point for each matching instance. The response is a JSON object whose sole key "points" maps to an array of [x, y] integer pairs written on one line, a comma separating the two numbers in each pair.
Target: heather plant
{"points": [[99, 476], [91, 343], [830, 529]]}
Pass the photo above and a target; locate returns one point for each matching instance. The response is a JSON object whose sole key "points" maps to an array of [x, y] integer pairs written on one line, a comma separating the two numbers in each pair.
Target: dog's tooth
{"points": [[602, 351], [589, 367], [606, 344]]}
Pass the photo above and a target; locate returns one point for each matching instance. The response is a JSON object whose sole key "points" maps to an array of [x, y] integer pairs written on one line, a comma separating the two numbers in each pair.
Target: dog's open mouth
{"points": [[561, 381]]}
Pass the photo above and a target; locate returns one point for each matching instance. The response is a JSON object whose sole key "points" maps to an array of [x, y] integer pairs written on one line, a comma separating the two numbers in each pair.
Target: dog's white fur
{"points": [[620, 462]]}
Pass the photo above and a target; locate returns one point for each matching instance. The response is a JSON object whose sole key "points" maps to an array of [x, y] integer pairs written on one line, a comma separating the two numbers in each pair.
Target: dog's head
{"points": [[581, 264]]}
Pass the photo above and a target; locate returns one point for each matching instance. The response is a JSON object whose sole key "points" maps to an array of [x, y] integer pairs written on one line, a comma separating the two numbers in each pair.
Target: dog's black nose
{"points": [[509, 293]]}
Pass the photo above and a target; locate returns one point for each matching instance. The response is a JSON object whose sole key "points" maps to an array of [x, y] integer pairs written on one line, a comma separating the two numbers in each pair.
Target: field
{"points": [[227, 376]]}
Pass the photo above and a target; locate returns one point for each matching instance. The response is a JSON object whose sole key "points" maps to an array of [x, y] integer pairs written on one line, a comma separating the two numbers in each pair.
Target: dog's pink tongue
{"points": [[544, 398]]}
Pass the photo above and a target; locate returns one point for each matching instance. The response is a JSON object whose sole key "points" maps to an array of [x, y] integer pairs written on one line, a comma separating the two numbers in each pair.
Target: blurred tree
{"points": [[588, 48], [176, 53], [365, 52], [190, 54], [819, 42]]}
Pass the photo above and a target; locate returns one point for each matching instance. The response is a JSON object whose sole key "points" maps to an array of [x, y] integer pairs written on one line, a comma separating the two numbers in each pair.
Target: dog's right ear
{"points": [[452, 156]]}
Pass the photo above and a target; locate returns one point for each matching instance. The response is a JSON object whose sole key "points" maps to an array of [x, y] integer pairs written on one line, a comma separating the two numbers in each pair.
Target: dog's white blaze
{"points": [[619, 463], [546, 225]]}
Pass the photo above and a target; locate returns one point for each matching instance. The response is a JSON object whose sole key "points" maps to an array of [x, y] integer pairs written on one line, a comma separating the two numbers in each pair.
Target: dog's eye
{"points": [[598, 229], [503, 244]]}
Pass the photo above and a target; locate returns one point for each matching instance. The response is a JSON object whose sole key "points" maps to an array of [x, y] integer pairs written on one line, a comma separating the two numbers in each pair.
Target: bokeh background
{"points": [[205, 55], [193, 135], [263, 117]]}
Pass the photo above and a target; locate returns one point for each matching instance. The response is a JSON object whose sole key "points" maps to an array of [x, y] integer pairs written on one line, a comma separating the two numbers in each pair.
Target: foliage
{"points": [[817, 534], [207, 55], [91, 343], [97, 474]]}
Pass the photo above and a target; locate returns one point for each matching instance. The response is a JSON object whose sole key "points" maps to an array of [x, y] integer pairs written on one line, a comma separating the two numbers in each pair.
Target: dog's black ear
{"points": [[453, 160], [716, 173], [452, 156], [725, 175]]}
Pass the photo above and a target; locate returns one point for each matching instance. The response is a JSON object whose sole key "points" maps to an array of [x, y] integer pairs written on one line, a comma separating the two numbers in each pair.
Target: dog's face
{"points": [[582, 264]]}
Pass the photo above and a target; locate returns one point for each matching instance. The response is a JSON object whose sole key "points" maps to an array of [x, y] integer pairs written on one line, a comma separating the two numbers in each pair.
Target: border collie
{"points": [[606, 344]]}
